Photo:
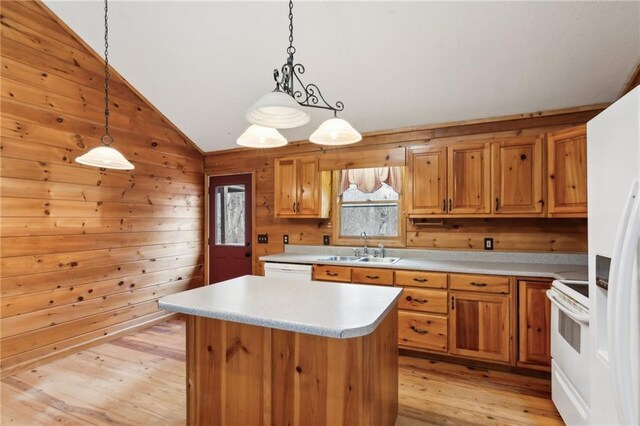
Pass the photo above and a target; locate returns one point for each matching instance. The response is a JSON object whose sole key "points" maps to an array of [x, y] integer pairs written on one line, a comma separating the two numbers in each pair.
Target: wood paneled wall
{"points": [[85, 252], [563, 235]]}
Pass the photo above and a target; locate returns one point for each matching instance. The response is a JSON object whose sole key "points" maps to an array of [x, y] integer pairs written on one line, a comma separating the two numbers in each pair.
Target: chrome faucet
{"points": [[363, 236]]}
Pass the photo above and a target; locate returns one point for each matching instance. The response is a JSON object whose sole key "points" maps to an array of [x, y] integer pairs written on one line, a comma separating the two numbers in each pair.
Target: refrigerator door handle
{"points": [[619, 309]]}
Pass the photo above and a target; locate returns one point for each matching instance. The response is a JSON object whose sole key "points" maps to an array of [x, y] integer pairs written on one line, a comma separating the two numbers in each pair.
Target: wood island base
{"points": [[252, 375]]}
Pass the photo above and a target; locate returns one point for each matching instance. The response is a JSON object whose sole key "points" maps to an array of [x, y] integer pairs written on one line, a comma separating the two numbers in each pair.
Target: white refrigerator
{"points": [[613, 166]]}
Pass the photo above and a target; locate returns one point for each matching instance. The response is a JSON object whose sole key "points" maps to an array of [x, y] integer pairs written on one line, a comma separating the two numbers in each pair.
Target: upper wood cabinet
{"points": [[301, 190], [469, 179], [534, 319], [479, 325], [567, 171], [450, 179], [517, 176], [427, 183]]}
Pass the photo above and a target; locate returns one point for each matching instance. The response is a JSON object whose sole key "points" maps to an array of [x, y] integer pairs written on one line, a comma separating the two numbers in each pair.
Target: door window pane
{"points": [[230, 219]]}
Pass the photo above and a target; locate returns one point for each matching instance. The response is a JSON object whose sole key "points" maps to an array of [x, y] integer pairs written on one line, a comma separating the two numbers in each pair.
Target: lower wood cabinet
{"points": [[534, 323], [331, 273], [372, 276], [422, 331], [419, 299], [466, 315], [480, 326]]}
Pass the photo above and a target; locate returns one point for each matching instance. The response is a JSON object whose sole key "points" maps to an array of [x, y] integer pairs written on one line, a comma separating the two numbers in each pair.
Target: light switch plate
{"points": [[326, 240], [263, 238], [285, 239]]}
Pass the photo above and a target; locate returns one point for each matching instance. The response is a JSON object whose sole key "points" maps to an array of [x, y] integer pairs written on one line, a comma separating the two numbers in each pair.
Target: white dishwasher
{"points": [[288, 271]]}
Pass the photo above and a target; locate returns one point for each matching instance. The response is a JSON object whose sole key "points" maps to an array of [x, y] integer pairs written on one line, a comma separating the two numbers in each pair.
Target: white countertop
{"points": [[521, 269], [321, 308]]}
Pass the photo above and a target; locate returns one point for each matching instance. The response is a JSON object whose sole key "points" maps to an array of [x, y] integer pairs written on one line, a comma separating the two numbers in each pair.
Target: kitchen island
{"points": [[265, 351]]}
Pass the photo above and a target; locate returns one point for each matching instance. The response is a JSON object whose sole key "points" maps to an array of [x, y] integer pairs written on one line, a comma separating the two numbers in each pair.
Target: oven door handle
{"points": [[570, 313]]}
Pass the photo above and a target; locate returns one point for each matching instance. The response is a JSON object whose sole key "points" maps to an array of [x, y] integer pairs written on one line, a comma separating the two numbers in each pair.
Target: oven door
{"points": [[570, 367]]}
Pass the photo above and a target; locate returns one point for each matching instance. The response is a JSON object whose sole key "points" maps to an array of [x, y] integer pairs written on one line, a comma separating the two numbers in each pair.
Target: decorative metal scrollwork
{"points": [[309, 95]]}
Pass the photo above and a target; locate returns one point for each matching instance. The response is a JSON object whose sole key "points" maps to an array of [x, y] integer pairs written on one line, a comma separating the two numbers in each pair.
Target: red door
{"points": [[230, 232]]}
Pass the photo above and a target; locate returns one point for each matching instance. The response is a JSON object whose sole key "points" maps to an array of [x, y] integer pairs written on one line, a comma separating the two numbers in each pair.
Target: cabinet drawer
{"points": [[422, 331], [332, 273], [419, 299], [421, 279], [481, 283], [372, 276]]}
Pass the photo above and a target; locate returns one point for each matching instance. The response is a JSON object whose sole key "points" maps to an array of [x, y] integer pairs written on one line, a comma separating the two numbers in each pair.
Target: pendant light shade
{"points": [[278, 110], [105, 157], [335, 131], [261, 137]]}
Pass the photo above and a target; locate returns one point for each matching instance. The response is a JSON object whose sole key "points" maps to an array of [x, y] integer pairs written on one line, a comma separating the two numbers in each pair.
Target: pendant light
{"points": [[104, 156], [283, 107], [335, 131], [261, 137]]}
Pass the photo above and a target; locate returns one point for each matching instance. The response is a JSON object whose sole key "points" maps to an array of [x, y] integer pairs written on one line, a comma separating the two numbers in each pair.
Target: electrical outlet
{"points": [[263, 238], [488, 243], [326, 240], [285, 239]]}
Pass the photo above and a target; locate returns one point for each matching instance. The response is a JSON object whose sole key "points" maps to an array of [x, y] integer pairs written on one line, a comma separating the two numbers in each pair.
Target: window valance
{"points": [[369, 180]]}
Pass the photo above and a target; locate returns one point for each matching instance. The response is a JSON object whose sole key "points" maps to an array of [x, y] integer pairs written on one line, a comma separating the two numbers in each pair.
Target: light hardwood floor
{"points": [[140, 380]]}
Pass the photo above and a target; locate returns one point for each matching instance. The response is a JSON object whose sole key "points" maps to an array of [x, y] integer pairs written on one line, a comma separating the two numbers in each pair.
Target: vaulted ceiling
{"points": [[393, 64]]}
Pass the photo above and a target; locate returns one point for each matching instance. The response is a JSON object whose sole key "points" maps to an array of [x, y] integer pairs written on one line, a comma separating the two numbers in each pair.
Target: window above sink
{"points": [[369, 200]]}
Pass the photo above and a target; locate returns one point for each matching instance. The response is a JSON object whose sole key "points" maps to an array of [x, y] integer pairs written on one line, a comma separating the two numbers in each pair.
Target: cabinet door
{"points": [[469, 178], [534, 310], [308, 196], [517, 176], [480, 326], [285, 187], [427, 183], [567, 163]]}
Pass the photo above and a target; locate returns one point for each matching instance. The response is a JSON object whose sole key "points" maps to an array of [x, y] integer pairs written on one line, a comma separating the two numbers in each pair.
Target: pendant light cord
{"points": [[106, 138]]}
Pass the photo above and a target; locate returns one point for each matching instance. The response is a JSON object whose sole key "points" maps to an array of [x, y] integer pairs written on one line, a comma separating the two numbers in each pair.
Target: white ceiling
{"points": [[393, 64]]}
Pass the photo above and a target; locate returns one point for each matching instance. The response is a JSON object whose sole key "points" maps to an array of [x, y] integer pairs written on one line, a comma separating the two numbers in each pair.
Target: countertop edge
{"points": [[312, 260], [335, 333]]}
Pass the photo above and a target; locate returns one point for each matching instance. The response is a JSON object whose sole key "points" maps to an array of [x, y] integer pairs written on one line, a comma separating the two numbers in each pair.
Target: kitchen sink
{"points": [[340, 258], [387, 260]]}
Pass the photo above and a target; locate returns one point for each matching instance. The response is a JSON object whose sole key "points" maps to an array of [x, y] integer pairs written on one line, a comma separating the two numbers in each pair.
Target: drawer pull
{"points": [[417, 330], [409, 299], [453, 303], [420, 280], [373, 277], [332, 274], [473, 283]]}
